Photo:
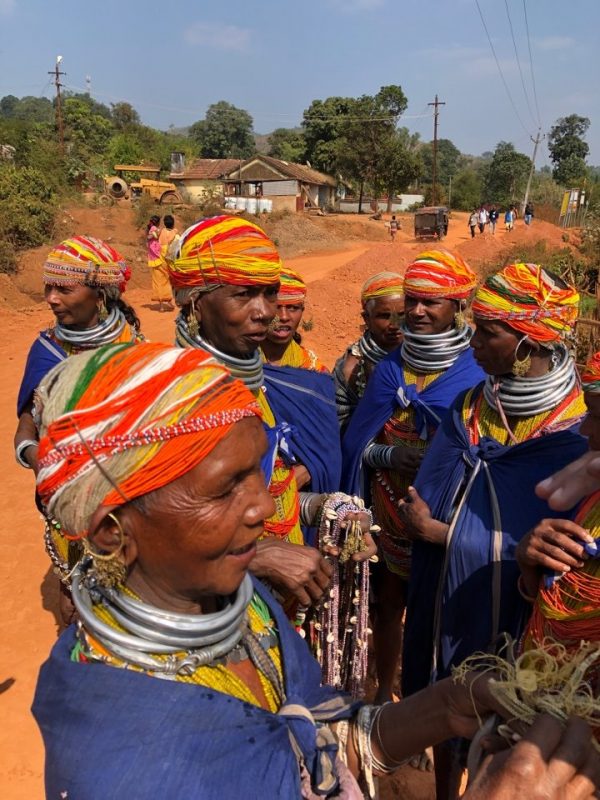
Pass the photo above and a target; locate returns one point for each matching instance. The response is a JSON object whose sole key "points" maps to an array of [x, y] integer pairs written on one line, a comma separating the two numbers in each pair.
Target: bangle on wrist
{"points": [[20, 452], [522, 591]]}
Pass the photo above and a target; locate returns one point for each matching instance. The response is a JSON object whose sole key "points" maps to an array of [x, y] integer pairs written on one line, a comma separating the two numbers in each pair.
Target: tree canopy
{"points": [[506, 174], [225, 132], [288, 144], [567, 148]]}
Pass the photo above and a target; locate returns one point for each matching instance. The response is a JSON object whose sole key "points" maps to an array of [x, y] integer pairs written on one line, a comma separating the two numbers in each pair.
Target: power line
{"points": [[537, 108], [512, 102], [142, 104], [512, 34]]}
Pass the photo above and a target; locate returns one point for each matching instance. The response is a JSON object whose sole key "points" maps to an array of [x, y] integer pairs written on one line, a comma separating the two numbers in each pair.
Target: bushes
{"points": [[27, 209]]}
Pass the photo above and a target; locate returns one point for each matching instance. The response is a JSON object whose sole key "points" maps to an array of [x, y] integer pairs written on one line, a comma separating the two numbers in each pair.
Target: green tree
{"points": [[506, 174], [567, 148], [288, 144], [124, 116], [124, 148], [225, 132], [399, 164], [27, 109], [87, 133], [323, 122], [448, 161], [467, 189]]}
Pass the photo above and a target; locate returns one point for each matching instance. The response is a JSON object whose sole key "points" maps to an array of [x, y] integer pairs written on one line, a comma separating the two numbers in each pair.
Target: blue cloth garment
{"points": [[305, 399], [115, 733], [386, 390], [461, 596], [44, 354]]}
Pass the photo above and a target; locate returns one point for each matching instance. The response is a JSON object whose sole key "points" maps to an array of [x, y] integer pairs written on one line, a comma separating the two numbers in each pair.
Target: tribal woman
{"points": [[473, 499], [182, 676], [301, 392], [383, 314], [226, 276], [560, 568], [404, 403], [84, 279]]}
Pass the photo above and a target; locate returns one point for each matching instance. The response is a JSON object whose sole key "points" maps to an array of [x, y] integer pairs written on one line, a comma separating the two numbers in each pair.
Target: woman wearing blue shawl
{"points": [[184, 678], [302, 394], [474, 499], [405, 401]]}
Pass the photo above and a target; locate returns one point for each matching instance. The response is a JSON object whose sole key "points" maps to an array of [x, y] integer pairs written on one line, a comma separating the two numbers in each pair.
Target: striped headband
{"points": [[87, 261], [124, 420], [381, 285], [590, 377], [223, 251], [530, 300], [438, 273], [292, 290]]}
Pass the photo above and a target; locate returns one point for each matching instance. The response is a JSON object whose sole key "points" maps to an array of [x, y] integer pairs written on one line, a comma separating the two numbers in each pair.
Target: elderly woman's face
{"points": [[383, 317], [235, 319], [197, 535], [75, 306], [494, 345]]}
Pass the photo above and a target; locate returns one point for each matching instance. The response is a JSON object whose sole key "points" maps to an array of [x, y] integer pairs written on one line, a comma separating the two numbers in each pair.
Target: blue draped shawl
{"points": [[114, 733], [305, 399], [386, 390], [43, 356], [462, 595]]}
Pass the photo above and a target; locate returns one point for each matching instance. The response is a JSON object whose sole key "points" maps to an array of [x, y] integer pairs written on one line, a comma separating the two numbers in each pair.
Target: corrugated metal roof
{"points": [[207, 169]]}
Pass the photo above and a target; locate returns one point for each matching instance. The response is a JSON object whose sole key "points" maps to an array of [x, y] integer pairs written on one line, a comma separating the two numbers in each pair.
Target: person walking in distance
{"points": [[473, 219], [493, 216], [528, 214], [394, 226], [482, 219], [509, 219]]}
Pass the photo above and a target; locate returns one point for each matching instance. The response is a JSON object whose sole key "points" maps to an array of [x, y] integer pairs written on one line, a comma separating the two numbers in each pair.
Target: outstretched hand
{"points": [[566, 488], [550, 762], [556, 544]]}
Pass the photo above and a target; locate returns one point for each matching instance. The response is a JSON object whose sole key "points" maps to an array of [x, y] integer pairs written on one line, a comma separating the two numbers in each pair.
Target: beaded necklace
{"points": [[217, 676], [568, 610], [388, 486], [481, 420]]}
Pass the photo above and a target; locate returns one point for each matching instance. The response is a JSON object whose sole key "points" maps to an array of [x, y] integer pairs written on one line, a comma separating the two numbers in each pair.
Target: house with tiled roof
{"points": [[286, 186]]}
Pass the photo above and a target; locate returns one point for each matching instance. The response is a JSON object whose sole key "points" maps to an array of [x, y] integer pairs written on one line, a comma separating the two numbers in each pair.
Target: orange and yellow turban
{"points": [[530, 300], [437, 273], [381, 285], [86, 260], [590, 377], [292, 290], [223, 251], [123, 420]]}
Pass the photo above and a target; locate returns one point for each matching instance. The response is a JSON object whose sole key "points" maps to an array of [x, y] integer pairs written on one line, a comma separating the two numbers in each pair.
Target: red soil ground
{"points": [[344, 251]]}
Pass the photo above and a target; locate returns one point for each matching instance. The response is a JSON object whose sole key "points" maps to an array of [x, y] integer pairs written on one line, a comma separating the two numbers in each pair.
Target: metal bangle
{"points": [[20, 449]]}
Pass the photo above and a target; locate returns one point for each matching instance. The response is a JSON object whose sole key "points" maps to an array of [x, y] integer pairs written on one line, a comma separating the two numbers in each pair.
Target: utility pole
{"points": [[536, 142], [436, 103], [59, 119]]}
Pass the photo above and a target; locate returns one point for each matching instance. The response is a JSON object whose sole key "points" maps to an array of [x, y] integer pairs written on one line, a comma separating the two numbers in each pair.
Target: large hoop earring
{"points": [[459, 318], [109, 570], [521, 366]]}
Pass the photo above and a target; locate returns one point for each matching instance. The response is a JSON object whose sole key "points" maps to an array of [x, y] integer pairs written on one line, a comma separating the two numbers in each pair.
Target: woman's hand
{"points": [[416, 516], [293, 569], [302, 476], [365, 526], [556, 544], [407, 460], [551, 762], [565, 488]]}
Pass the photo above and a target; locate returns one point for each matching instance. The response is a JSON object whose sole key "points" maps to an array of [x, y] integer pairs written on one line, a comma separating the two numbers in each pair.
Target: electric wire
{"points": [[512, 102], [537, 108], [512, 34]]}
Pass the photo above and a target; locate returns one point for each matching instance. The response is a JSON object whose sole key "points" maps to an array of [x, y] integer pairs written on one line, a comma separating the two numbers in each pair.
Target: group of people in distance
{"points": [[191, 493], [481, 217]]}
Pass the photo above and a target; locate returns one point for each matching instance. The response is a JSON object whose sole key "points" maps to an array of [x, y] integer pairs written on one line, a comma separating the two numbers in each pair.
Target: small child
{"points": [[509, 219]]}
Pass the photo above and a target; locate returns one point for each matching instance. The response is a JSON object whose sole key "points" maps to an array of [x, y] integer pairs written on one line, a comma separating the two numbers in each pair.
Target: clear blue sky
{"points": [[171, 60]]}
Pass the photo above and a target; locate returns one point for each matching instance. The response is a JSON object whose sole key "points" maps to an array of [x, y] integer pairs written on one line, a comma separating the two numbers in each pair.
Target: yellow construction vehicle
{"points": [[161, 192]]}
